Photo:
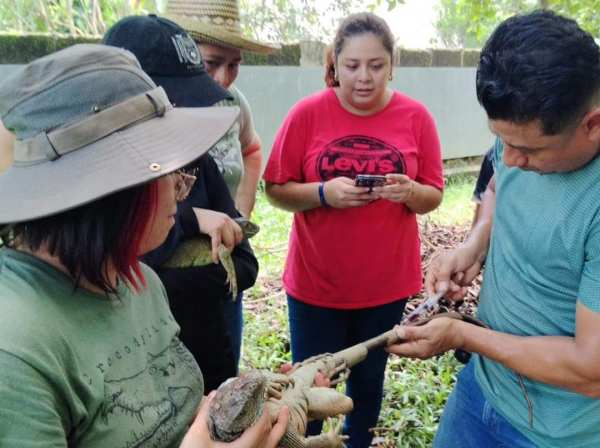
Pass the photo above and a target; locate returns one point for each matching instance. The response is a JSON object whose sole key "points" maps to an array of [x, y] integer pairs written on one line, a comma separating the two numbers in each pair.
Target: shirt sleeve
{"points": [[287, 155], [431, 171], [589, 287], [32, 414], [247, 131]]}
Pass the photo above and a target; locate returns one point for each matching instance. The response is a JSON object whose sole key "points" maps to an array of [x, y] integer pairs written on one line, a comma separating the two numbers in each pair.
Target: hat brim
{"points": [[119, 161], [192, 91], [218, 35]]}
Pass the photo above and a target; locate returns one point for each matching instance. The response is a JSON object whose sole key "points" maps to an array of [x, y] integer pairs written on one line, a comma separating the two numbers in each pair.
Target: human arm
{"points": [[7, 141], [259, 435], [299, 197], [419, 198], [455, 269], [572, 363], [252, 157]]}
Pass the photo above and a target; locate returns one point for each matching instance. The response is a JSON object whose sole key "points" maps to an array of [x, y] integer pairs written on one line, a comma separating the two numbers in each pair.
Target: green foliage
{"points": [[457, 207], [271, 243], [75, 17], [15, 49], [287, 55], [469, 23], [293, 20], [391, 4]]}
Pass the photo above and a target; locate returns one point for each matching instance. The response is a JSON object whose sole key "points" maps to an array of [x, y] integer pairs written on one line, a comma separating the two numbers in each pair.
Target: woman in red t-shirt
{"points": [[354, 253]]}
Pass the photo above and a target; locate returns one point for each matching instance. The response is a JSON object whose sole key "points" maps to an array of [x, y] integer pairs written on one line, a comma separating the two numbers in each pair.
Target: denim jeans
{"points": [[315, 330], [234, 321], [469, 421]]}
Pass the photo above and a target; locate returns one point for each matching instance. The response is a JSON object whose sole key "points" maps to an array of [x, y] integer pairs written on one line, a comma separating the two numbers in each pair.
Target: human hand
{"points": [[221, 229], [320, 380], [259, 435], [342, 193], [399, 189], [453, 271], [434, 338]]}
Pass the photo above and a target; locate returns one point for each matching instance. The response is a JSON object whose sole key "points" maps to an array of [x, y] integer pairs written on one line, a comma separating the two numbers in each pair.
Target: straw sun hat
{"points": [[215, 22]]}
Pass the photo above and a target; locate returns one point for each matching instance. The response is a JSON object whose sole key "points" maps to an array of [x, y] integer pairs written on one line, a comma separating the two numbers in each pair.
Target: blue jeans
{"points": [[234, 321], [315, 330], [469, 421]]}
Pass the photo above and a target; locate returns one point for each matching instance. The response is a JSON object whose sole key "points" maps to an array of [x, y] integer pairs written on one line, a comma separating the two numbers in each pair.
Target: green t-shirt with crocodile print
{"points": [[544, 256], [83, 369]]}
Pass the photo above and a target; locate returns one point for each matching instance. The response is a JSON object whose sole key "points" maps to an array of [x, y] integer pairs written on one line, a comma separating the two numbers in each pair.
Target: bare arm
{"points": [[572, 363], [417, 197], [252, 167], [424, 199], [299, 197], [7, 141], [457, 268]]}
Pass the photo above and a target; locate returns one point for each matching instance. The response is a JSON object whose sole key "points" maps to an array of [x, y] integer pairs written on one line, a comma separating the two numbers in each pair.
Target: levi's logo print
{"points": [[358, 154]]}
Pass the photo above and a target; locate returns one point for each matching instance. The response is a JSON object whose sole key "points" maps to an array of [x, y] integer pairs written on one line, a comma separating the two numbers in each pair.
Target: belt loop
{"points": [[47, 148], [158, 105]]}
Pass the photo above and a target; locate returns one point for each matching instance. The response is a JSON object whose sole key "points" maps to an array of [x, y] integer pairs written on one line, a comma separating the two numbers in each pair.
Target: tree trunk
{"points": [[543, 4]]}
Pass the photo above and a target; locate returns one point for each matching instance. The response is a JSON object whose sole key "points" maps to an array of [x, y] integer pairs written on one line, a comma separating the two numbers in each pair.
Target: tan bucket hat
{"points": [[214, 22], [89, 122]]}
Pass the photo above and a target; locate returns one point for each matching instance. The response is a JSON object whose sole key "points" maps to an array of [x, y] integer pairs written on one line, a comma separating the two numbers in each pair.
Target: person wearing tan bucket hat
{"points": [[89, 350]]}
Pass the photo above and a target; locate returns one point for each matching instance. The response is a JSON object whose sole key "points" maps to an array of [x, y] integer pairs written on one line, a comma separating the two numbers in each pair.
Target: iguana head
{"points": [[249, 229], [237, 405]]}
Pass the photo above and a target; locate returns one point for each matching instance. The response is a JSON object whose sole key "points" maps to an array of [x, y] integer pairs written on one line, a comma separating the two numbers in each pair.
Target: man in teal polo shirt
{"points": [[539, 81]]}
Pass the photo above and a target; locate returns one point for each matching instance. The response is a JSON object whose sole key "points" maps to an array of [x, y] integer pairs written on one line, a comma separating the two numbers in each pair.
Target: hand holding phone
{"points": [[370, 180]]}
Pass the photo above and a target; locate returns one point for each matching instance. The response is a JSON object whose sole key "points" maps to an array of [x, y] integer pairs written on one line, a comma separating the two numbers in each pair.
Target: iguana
{"points": [[240, 401], [198, 252]]}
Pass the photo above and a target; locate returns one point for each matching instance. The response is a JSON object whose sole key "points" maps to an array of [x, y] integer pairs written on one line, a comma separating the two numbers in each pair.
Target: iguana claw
{"points": [[276, 385], [344, 373], [333, 434]]}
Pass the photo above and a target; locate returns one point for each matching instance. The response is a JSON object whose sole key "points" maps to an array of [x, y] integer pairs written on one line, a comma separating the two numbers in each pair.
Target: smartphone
{"points": [[370, 180]]}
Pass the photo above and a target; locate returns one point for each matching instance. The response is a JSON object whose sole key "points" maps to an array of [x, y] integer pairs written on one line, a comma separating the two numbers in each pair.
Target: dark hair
{"points": [[356, 25], [539, 66], [85, 238]]}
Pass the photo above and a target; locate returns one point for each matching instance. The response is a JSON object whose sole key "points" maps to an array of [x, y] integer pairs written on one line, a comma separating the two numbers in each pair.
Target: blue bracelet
{"points": [[322, 195]]}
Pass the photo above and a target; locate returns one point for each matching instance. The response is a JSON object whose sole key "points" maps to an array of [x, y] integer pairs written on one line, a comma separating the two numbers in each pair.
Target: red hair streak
{"points": [[129, 246]]}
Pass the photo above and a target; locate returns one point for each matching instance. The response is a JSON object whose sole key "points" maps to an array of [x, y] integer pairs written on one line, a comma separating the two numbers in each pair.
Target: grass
{"points": [[415, 391]]}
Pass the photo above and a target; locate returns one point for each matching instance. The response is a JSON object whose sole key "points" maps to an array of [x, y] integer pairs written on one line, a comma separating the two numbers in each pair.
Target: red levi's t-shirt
{"points": [[364, 256]]}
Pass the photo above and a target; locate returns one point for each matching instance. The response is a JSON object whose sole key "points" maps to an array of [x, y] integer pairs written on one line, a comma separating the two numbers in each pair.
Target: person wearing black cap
{"points": [[89, 350], [196, 294]]}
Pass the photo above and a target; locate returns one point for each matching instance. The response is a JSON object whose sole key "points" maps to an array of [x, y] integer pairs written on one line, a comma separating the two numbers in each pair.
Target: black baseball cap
{"points": [[169, 56]]}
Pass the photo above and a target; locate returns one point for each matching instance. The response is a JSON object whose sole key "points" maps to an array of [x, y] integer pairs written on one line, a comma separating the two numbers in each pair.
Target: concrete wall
{"points": [[448, 93]]}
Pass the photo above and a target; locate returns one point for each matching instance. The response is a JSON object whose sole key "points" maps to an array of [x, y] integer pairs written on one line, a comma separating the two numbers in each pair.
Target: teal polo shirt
{"points": [[544, 255]]}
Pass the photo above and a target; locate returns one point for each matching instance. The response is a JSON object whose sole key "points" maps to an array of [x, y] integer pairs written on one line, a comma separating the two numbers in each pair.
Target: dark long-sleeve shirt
{"points": [[209, 192], [196, 294]]}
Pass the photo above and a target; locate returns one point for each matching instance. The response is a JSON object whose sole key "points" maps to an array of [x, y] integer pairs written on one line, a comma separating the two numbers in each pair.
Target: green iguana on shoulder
{"points": [[197, 252]]}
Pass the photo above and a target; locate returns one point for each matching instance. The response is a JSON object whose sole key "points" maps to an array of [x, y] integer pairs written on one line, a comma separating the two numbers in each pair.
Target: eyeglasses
{"points": [[184, 181]]}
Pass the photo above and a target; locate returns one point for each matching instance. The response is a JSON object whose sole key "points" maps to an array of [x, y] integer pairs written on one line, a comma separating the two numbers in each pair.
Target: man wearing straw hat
{"points": [[215, 26]]}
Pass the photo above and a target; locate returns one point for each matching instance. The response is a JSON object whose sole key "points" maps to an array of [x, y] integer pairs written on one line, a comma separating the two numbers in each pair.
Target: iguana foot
{"points": [[227, 263], [343, 371], [333, 434], [277, 384]]}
